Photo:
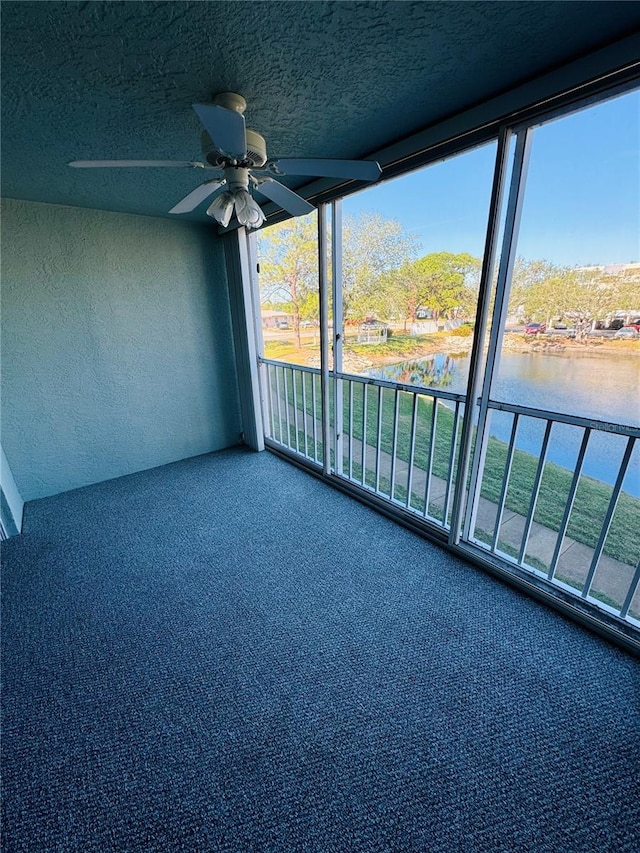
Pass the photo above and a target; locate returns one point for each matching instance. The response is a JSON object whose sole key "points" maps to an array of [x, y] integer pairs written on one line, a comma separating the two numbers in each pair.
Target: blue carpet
{"points": [[225, 654]]}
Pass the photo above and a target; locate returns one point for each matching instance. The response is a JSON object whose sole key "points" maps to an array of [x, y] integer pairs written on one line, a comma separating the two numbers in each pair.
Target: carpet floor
{"points": [[225, 654]]}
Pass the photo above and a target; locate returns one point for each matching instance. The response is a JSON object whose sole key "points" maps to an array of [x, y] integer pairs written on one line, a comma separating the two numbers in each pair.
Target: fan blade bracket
{"points": [[354, 170], [271, 168]]}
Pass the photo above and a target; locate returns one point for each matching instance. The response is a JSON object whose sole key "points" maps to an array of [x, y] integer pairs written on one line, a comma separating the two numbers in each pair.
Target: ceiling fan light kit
{"points": [[240, 155], [238, 199], [221, 208]]}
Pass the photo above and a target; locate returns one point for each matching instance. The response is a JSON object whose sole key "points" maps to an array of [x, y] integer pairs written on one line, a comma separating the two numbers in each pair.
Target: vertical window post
{"points": [[336, 281], [484, 302], [244, 315], [254, 296], [507, 260], [324, 336]]}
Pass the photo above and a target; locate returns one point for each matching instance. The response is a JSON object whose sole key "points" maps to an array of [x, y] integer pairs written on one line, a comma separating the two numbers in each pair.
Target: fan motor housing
{"points": [[256, 150]]}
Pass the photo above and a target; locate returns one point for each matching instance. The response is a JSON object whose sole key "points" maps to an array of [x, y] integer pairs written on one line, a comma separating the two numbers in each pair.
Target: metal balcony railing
{"points": [[292, 408], [401, 444], [584, 550]]}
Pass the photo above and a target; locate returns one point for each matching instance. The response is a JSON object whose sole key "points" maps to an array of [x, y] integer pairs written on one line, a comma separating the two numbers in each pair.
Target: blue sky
{"points": [[582, 201]]}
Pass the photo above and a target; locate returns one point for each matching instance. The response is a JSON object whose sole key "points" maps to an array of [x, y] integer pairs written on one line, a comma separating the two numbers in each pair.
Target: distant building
{"points": [[275, 319], [623, 270]]}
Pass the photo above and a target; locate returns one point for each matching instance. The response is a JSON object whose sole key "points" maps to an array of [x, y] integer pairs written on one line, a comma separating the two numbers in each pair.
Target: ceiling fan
{"points": [[239, 155]]}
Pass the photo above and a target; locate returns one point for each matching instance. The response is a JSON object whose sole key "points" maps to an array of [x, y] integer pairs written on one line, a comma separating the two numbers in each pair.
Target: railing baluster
{"points": [[505, 483], [303, 378], [606, 524], [570, 499], [269, 369], [412, 450], [452, 459], [279, 408], [350, 430], [295, 408], [394, 444], [263, 371], [364, 431], [338, 425], [378, 438], [535, 492], [286, 406], [432, 440], [631, 593], [314, 403]]}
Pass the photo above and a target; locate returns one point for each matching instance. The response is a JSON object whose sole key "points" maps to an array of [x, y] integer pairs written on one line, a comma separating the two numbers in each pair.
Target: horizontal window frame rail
{"points": [[611, 85], [559, 417]]}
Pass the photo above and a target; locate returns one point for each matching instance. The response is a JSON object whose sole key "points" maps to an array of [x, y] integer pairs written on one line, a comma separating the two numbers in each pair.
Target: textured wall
{"points": [[117, 346]]}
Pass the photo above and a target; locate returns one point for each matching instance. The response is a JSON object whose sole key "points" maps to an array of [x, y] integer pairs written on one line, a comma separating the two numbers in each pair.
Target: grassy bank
{"points": [[403, 347]]}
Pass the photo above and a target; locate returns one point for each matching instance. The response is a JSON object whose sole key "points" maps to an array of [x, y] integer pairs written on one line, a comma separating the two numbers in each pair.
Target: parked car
{"points": [[635, 324], [614, 325], [628, 333], [535, 329]]}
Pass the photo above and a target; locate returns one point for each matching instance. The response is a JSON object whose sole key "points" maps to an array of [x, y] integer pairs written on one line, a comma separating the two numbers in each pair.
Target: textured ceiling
{"points": [[94, 80]]}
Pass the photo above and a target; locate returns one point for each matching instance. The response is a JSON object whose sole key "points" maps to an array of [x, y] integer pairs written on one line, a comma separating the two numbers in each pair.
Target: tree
{"points": [[545, 291], [288, 256], [372, 248], [446, 283], [525, 277], [557, 295]]}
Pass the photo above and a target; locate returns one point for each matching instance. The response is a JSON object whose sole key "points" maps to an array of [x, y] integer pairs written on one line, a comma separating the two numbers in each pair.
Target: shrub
{"points": [[464, 331]]}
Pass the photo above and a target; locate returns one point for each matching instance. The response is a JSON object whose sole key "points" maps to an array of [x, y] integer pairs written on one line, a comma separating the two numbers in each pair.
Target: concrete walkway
{"points": [[612, 578]]}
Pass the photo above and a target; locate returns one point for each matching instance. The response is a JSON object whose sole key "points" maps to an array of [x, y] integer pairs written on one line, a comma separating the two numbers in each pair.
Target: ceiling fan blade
{"points": [[135, 164], [356, 170], [225, 127], [286, 198], [195, 197]]}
